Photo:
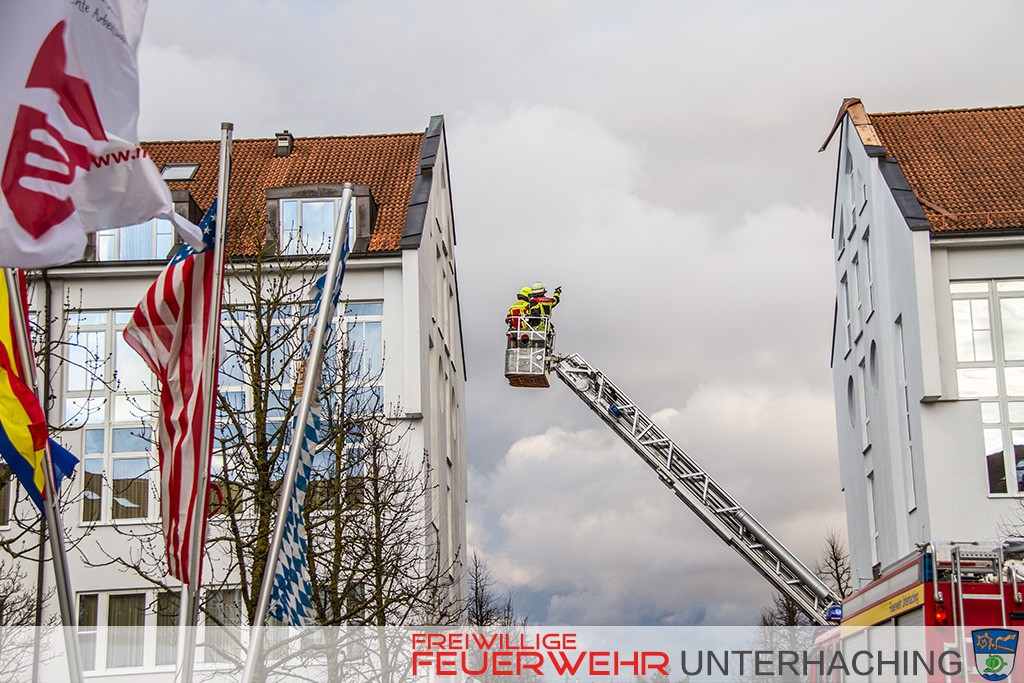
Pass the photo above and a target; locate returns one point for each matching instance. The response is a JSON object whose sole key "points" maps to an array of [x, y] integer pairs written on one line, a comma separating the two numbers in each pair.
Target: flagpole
{"points": [[190, 601], [51, 513], [310, 382]]}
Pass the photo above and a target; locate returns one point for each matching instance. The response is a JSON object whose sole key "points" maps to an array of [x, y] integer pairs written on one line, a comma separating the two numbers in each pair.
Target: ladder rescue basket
{"points": [[528, 351]]}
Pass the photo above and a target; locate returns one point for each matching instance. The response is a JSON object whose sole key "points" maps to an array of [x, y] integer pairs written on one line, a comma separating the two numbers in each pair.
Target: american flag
{"points": [[169, 330]]}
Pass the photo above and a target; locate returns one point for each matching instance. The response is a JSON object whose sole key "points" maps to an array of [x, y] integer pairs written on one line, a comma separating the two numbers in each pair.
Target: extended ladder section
{"points": [[697, 489]]}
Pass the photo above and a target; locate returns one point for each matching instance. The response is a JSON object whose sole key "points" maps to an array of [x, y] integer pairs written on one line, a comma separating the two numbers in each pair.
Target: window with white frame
{"points": [[364, 339], [223, 621], [307, 225], [111, 633], [108, 395], [152, 239], [138, 629], [356, 339], [988, 321]]}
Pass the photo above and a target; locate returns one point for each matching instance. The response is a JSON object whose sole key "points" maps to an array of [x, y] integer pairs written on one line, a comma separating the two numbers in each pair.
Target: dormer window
{"points": [[307, 225], [146, 241], [300, 219], [173, 172]]}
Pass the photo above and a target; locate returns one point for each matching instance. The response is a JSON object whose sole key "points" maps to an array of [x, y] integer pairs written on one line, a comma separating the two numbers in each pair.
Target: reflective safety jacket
{"points": [[542, 305], [518, 309]]}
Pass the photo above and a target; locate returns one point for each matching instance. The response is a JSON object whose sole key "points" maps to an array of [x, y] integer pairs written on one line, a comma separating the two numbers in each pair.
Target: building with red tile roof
{"points": [[402, 322], [928, 352]]}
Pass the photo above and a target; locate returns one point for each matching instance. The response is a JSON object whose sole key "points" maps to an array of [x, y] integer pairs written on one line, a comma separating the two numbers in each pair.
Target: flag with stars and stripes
{"points": [[169, 330], [292, 597]]}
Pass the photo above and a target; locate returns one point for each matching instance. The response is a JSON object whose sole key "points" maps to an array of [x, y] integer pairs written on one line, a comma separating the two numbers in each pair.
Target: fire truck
{"points": [[955, 585]]}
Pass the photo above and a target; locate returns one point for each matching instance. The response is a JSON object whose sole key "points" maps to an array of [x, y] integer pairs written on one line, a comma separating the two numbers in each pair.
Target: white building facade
{"points": [[928, 352], [401, 302]]}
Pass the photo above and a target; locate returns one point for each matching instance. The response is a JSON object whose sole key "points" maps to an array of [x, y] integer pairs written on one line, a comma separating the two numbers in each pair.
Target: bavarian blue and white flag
{"points": [[292, 598]]}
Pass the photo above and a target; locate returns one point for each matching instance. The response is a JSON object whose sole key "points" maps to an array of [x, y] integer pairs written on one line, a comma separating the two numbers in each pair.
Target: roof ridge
{"points": [[309, 137], [966, 110]]}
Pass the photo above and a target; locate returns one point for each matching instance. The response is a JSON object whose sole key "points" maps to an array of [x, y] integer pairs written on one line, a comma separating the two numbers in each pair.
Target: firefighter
{"points": [[540, 302], [515, 313], [541, 305]]}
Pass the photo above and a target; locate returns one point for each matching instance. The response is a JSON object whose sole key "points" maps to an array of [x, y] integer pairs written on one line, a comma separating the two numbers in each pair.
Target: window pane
{"points": [[85, 357], [1016, 410], [131, 488], [132, 371], [1010, 286], [994, 461], [1013, 328], [1018, 457], [164, 238], [968, 287], [1014, 381], [167, 609], [976, 382], [80, 411], [94, 440], [87, 615], [92, 490], [224, 614], [231, 364], [133, 408], [365, 309], [106, 245], [964, 333], [990, 413], [289, 227], [131, 439], [374, 350], [317, 226], [125, 617], [87, 318], [136, 242]]}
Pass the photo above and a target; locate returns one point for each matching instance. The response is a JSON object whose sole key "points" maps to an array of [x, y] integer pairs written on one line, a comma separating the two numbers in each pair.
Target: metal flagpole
{"points": [[309, 387], [190, 591], [51, 513]]}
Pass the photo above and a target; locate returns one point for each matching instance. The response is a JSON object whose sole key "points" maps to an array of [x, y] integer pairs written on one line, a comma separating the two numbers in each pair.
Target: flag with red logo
{"points": [[70, 163], [169, 330]]}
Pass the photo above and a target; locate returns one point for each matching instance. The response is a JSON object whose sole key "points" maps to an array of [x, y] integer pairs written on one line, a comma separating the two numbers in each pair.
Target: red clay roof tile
{"points": [[965, 166], [386, 163]]}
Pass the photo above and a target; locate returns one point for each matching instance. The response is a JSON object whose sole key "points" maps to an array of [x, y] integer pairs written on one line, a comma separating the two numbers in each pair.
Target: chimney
{"points": [[285, 142]]}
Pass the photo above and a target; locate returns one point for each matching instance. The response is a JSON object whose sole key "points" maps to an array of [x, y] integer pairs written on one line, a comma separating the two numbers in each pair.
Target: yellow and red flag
{"points": [[23, 431]]}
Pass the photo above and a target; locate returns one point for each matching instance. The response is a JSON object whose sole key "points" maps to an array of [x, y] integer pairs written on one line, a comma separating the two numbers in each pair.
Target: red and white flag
{"points": [[169, 330], [70, 163]]}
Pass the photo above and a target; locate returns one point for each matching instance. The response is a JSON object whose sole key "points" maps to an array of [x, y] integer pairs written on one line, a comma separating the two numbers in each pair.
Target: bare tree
{"points": [[833, 565], [18, 636], [486, 607], [371, 557]]}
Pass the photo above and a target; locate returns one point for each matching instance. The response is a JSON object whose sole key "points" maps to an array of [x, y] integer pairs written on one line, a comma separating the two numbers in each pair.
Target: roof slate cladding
{"points": [[386, 163], [965, 166]]}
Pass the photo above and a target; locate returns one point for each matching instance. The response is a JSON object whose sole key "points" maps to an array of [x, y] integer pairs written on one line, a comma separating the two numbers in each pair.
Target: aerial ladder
{"points": [[529, 360]]}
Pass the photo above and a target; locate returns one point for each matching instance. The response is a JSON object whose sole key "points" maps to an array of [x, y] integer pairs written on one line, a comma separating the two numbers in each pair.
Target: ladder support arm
{"points": [[697, 489]]}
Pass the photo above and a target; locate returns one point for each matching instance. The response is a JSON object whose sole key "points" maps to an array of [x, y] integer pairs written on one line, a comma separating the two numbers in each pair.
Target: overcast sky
{"points": [[659, 161]]}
